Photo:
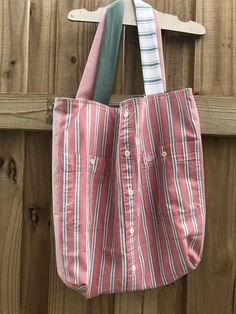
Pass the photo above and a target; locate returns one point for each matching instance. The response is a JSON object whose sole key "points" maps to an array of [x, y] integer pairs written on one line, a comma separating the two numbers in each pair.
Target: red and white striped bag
{"points": [[128, 181]]}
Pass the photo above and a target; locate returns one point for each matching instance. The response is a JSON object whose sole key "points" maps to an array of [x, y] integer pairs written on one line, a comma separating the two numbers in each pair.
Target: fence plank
{"points": [[14, 25], [73, 44], [11, 182], [179, 48], [36, 221], [210, 286], [34, 112], [215, 66], [102, 304], [169, 299], [129, 302], [42, 46]]}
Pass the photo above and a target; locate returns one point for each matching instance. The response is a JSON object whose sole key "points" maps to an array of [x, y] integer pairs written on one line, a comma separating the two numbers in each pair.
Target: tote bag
{"points": [[127, 180]]}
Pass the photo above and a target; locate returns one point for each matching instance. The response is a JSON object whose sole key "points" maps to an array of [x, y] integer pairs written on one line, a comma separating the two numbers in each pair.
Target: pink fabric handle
{"points": [[86, 87]]}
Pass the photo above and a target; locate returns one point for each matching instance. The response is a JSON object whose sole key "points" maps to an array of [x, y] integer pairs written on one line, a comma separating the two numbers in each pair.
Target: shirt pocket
{"points": [[86, 185], [172, 178], [90, 163]]}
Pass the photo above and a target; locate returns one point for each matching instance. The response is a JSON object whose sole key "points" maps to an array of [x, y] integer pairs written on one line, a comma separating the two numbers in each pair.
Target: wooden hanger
{"points": [[167, 21]]}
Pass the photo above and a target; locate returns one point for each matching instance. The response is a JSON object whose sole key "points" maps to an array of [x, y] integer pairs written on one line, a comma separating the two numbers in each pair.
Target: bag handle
{"points": [[109, 52], [102, 65], [150, 44], [87, 82]]}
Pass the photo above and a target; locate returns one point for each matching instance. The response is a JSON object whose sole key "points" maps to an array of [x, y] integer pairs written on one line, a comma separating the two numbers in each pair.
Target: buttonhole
{"points": [[149, 157]]}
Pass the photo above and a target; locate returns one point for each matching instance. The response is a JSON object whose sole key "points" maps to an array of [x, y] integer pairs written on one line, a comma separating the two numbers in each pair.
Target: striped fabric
{"points": [[149, 48], [128, 191]]}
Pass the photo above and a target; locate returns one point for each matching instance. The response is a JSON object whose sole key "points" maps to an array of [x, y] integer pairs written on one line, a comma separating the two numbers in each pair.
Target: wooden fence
{"points": [[43, 55]]}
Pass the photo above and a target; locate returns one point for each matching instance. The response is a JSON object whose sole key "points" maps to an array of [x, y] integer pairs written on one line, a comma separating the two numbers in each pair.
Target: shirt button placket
{"points": [[130, 192], [126, 113], [133, 268], [127, 153], [127, 172]]}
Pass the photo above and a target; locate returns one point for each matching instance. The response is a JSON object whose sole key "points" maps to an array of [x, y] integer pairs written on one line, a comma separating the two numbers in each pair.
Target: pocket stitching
{"points": [[157, 159], [180, 157], [103, 166]]}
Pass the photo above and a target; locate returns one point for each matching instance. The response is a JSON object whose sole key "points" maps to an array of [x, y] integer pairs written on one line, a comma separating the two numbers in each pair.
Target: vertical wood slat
{"points": [[73, 44], [178, 47], [14, 39], [69, 55], [11, 148], [101, 304], [169, 299], [215, 66], [129, 302], [210, 287], [37, 184], [42, 46], [36, 223]]}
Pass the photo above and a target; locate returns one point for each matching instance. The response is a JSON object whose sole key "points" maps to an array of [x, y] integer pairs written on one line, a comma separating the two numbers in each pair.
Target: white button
{"points": [[126, 113], [133, 268], [164, 154], [127, 153], [130, 192], [92, 161], [131, 230]]}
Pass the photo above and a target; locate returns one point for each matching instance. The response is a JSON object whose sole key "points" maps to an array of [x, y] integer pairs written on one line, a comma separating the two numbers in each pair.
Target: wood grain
{"points": [[69, 54], [31, 112], [11, 195], [215, 54], [102, 304], [178, 48], [42, 46], [129, 302], [210, 287], [24, 112], [14, 39], [155, 300], [14, 24], [132, 63], [217, 115], [73, 44], [36, 223]]}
